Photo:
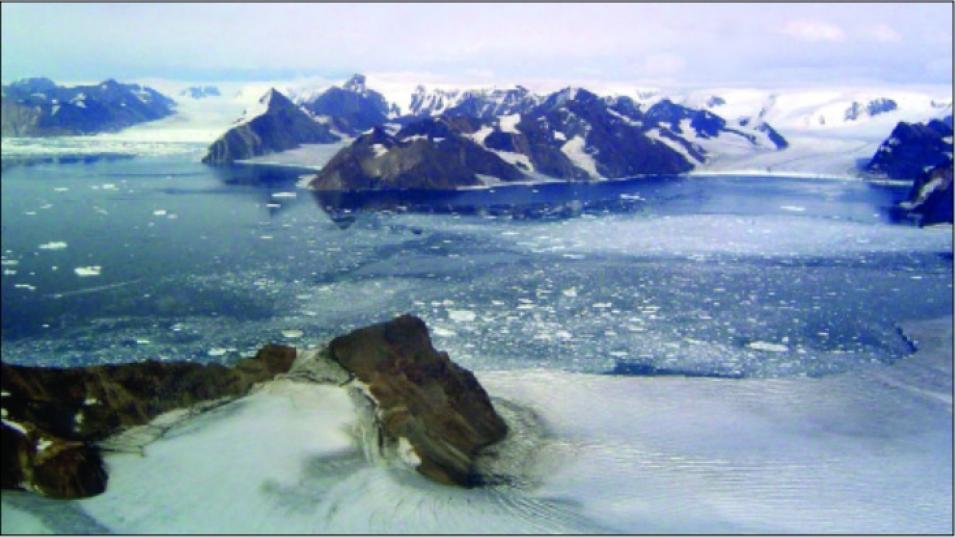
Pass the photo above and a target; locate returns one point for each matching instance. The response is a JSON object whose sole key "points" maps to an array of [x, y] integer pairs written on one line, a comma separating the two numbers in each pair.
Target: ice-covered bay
{"points": [[729, 363]]}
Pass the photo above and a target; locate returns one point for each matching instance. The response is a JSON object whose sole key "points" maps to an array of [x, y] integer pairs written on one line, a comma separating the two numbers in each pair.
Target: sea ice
{"points": [[93, 270]]}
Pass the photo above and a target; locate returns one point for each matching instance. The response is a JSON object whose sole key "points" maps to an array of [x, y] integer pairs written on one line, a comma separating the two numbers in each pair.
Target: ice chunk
{"points": [[461, 316], [767, 346], [292, 334], [93, 270], [55, 245]]}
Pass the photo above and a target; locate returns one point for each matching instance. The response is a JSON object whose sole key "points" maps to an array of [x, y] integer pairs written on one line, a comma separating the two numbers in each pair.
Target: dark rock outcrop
{"points": [[422, 396], [279, 125], [200, 92], [931, 196], [872, 108], [913, 148], [39, 107], [53, 418], [428, 154]]}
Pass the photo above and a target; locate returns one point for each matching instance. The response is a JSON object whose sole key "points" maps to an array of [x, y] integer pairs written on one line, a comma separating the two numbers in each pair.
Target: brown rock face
{"points": [[423, 396], [53, 417]]}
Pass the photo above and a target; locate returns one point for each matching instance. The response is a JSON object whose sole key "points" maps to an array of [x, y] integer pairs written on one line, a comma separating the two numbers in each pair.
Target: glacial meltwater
{"points": [[705, 353]]}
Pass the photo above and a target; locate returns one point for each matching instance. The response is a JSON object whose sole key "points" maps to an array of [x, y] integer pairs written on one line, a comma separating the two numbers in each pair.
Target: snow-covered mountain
{"points": [[572, 134], [350, 108], [40, 107], [480, 103], [272, 125], [831, 131], [805, 131]]}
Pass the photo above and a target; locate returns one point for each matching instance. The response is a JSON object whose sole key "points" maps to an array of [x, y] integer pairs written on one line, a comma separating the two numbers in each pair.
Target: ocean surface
{"points": [[701, 349]]}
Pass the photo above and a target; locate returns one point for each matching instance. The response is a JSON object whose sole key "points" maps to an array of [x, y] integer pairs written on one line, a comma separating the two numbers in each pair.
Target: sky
{"points": [[775, 45]]}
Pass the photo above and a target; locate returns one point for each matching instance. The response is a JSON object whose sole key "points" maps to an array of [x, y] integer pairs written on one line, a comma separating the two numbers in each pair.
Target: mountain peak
{"points": [[356, 83], [34, 84]]}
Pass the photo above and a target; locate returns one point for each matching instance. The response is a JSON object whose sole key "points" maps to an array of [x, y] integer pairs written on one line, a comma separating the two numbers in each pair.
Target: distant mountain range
{"points": [[200, 92], [450, 139], [39, 107]]}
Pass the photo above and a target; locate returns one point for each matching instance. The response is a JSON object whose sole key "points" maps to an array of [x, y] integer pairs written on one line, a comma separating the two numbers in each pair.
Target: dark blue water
{"points": [[652, 274]]}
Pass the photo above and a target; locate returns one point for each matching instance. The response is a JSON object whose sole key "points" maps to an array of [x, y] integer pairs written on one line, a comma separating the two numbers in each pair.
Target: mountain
{"points": [[274, 124], [479, 103], [931, 195], [39, 107], [200, 92], [428, 154], [574, 134], [351, 108], [571, 134], [913, 148]]}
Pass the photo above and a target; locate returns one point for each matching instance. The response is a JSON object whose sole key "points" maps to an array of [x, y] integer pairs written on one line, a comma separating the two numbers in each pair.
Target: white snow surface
{"points": [[509, 123], [575, 149]]}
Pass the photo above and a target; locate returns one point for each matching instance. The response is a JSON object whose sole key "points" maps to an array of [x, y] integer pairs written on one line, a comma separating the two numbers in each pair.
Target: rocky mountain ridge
{"points": [[275, 124], [571, 135], [913, 148], [40, 107], [506, 135]]}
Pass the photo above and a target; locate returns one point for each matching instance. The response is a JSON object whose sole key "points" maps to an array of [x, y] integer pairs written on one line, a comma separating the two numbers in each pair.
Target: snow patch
{"points": [[509, 123], [575, 149]]}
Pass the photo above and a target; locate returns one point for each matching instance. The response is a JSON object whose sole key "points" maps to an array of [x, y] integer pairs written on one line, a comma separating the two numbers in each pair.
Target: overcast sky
{"points": [[686, 44]]}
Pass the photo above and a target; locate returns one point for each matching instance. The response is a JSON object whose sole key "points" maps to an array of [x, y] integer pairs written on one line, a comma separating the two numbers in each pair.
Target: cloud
{"points": [[883, 33], [813, 31], [663, 64]]}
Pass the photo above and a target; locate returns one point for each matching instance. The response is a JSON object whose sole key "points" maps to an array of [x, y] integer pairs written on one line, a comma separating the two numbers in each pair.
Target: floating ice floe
{"points": [[461, 316], [26, 286], [54, 245], [792, 208], [159, 212], [570, 292], [284, 195], [292, 334], [767, 346], [61, 189], [443, 332], [217, 351], [93, 270]]}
